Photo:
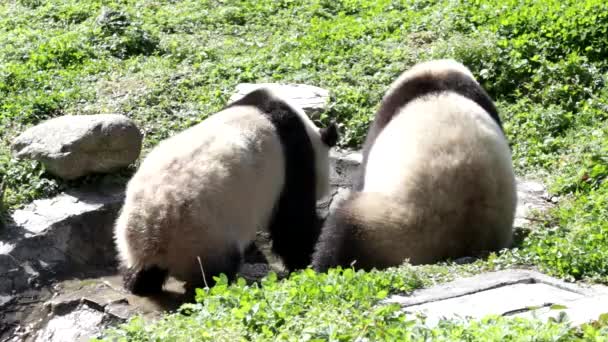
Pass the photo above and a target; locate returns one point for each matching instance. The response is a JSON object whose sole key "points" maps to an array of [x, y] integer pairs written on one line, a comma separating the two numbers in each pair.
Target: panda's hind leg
{"points": [[144, 282], [228, 263]]}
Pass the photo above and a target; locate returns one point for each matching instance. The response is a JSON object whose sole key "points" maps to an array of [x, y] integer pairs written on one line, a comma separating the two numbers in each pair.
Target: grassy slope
{"points": [[169, 64]]}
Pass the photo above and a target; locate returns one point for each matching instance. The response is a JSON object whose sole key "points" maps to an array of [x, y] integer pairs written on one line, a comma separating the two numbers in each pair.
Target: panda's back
{"points": [[445, 154], [212, 184], [437, 134]]}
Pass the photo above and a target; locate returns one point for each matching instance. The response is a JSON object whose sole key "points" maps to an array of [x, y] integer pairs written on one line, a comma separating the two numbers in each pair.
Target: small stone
{"points": [[118, 312], [554, 199], [341, 195], [313, 100], [324, 204], [5, 299], [72, 146], [531, 197], [344, 167], [112, 21], [530, 186]]}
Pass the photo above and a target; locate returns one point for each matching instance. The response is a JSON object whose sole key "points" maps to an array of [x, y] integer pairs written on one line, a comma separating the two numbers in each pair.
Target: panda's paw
{"points": [[144, 282]]}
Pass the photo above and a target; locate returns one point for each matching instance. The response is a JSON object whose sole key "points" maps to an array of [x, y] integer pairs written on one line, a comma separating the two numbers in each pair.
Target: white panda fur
{"points": [[437, 179], [206, 191]]}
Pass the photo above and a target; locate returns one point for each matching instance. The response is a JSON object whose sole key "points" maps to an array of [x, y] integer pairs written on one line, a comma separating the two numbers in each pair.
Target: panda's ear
{"points": [[330, 135]]}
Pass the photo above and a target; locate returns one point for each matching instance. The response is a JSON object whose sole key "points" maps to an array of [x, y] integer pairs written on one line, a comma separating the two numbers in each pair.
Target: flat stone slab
{"points": [[313, 100], [507, 293], [579, 311]]}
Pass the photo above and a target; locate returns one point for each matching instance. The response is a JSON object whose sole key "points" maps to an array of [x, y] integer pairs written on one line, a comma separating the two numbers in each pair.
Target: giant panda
{"points": [[436, 180], [258, 164]]}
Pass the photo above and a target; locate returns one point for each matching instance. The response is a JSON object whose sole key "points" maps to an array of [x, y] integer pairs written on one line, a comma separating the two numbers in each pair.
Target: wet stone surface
{"points": [[65, 236]]}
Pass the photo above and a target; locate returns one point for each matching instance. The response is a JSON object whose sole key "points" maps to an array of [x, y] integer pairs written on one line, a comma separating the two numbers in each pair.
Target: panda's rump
{"points": [[217, 190], [445, 153]]}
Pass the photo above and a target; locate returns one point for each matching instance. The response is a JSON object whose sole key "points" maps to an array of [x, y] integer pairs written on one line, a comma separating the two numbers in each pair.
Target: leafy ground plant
{"points": [[341, 305]]}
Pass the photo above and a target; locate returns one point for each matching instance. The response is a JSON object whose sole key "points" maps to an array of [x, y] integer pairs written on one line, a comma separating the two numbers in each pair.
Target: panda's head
{"points": [[435, 69]]}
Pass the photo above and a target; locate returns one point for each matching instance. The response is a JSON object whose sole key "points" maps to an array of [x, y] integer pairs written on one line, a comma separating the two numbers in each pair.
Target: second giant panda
{"points": [[436, 181], [258, 164]]}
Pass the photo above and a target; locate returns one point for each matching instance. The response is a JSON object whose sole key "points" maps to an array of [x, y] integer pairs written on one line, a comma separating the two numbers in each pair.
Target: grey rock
{"points": [[112, 21], [507, 293], [78, 310], [78, 325], [342, 172], [313, 100], [58, 236], [531, 196], [340, 196], [96, 296], [324, 204], [344, 166], [101, 302], [20, 314], [75, 145], [5, 300], [118, 312]]}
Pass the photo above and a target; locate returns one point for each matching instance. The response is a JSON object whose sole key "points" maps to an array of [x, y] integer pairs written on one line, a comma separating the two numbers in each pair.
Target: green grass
{"points": [[167, 65], [337, 306]]}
